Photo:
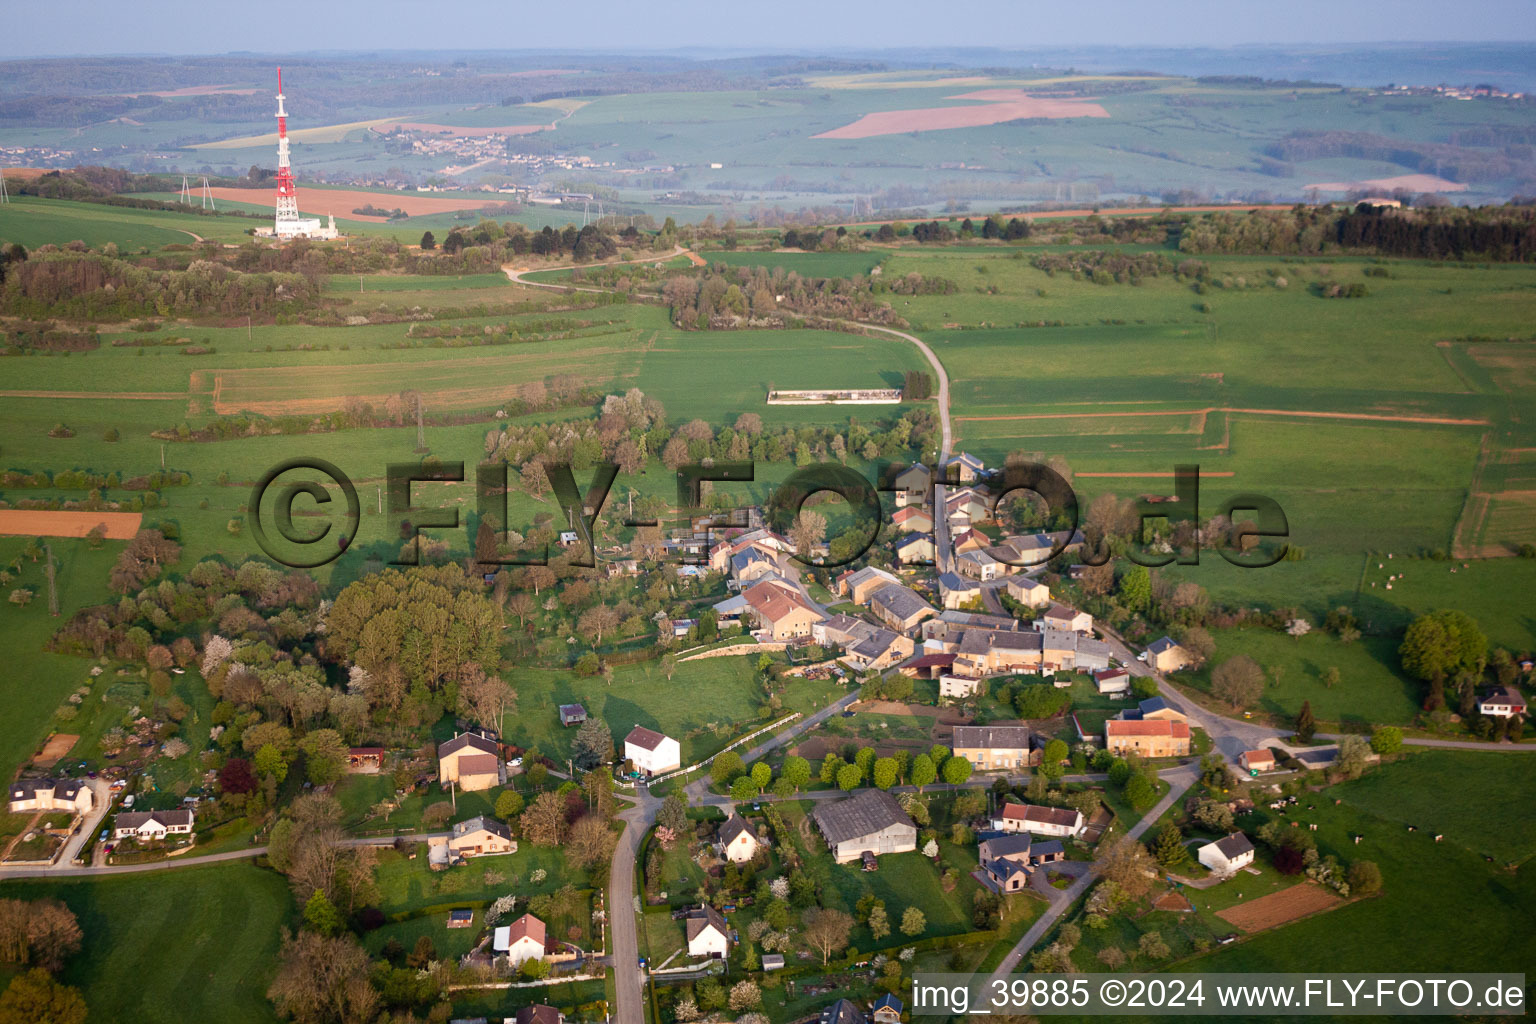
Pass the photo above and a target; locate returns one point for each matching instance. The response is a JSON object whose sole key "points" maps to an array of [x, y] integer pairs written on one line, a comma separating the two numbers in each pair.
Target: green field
{"points": [[193, 943], [33, 222]]}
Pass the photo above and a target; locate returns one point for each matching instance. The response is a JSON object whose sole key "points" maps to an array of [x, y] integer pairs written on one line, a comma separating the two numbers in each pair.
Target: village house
{"points": [[879, 650], [736, 840], [957, 591], [964, 467], [1065, 618], [1153, 709], [780, 611], [1257, 761], [1028, 592], [916, 547], [707, 933], [1005, 861], [1228, 855], [73, 796], [959, 687], [752, 564], [651, 752], [1062, 822], [1035, 548], [944, 631], [912, 486], [992, 748], [993, 652], [524, 939], [964, 507], [869, 821], [963, 539], [1113, 680], [766, 542], [152, 825], [900, 607], [844, 1011], [1166, 656], [538, 1013], [481, 836], [1156, 738], [912, 519], [470, 761], [365, 760], [1504, 702], [886, 1010], [861, 584], [978, 565]]}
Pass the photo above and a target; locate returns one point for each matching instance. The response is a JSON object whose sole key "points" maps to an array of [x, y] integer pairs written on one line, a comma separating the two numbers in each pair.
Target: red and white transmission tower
{"points": [[287, 223]]}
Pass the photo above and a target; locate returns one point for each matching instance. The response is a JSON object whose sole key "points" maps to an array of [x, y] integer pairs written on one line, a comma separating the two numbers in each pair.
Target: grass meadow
{"points": [[196, 943]]}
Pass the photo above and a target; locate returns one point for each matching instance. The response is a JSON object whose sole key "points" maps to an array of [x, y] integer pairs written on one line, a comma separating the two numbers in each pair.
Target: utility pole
{"points": [[162, 458], [421, 430], [247, 327]]}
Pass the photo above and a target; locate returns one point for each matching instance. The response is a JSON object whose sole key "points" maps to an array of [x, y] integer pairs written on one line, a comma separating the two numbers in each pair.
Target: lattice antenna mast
{"points": [[287, 192]]}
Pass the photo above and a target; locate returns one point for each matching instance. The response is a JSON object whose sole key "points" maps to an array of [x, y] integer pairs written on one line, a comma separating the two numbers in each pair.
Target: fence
{"points": [[729, 746]]}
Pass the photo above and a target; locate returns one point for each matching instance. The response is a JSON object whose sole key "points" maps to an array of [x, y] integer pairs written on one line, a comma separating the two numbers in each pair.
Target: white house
{"points": [[737, 840], [1037, 820], [651, 752], [1504, 702], [1115, 680], [523, 939], [148, 825], [707, 933], [71, 795], [1227, 855]]}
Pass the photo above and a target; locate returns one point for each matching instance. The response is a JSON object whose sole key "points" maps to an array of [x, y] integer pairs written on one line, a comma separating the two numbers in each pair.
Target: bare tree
{"points": [[591, 842], [486, 699], [809, 529], [827, 930], [543, 823]]}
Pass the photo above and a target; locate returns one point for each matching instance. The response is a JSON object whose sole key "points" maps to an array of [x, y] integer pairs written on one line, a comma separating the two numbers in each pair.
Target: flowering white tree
{"points": [[931, 848], [780, 888], [216, 653], [501, 908]]}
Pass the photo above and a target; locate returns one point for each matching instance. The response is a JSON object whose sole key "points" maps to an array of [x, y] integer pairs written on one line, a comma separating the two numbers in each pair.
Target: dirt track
{"points": [[1369, 416], [59, 744], [15, 522]]}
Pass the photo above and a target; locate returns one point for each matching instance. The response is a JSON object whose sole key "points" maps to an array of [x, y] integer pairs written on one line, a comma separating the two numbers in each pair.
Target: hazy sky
{"points": [[159, 26]]}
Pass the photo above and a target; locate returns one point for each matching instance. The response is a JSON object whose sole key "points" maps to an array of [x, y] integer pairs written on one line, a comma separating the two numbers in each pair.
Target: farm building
{"points": [[365, 760], [870, 820], [572, 714], [1257, 761], [1114, 680]]}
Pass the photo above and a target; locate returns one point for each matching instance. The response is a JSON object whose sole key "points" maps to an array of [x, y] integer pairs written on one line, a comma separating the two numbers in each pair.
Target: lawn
{"points": [[33, 222], [196, 943], [642, 695]]}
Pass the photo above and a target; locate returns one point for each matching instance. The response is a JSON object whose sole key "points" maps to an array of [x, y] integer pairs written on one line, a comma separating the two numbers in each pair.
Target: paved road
{"points": [[623, 942], [1179, 780]]}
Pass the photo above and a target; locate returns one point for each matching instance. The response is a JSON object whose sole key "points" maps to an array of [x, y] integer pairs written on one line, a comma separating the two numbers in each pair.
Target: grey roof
{"points": [[1234, 845], [991, 737], [1152, 704], [842, 1012], [979, 619], [1006, 845], [705, 917], [62, 789], [1088, 645], [1048, 848], [1159, 646], [875, 644], [980, 641], [134, 819], [865, 813], [734, 826], [902, 602], [468, 739], [887, 1002], [471, 825], [864, 575], [954, 581], [913, 538], [1058, 639]]}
